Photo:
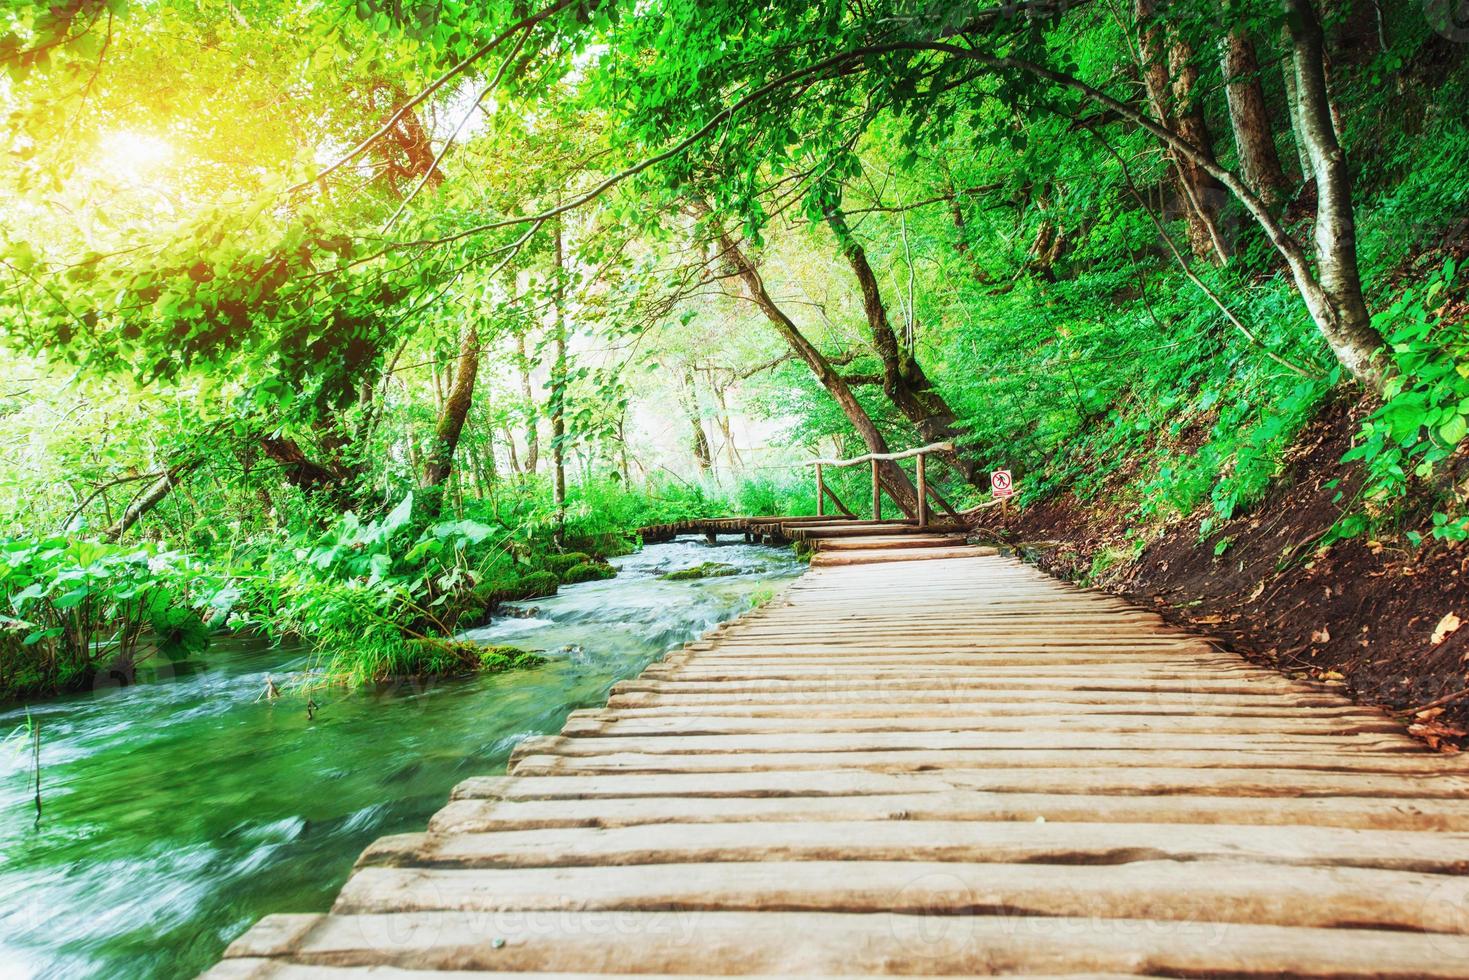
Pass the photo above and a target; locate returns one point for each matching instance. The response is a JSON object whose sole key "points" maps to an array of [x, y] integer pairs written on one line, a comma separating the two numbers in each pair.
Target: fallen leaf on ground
{"points": [[1437, 735], [1445, 626], [1323, 635]]}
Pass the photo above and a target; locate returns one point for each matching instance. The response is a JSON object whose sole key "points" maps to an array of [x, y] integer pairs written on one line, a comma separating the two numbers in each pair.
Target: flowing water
{"points": [[177, 812]]}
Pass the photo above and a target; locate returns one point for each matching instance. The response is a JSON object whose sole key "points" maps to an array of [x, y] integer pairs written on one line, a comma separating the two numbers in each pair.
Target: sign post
{"points": [[1001, 486]]}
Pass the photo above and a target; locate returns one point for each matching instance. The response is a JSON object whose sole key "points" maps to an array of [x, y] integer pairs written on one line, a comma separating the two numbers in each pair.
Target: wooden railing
{"points": [[920, 473]]}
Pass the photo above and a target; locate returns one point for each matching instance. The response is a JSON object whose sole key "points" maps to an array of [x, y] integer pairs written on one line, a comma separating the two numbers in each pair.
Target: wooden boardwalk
{"points": [[948, 767]]}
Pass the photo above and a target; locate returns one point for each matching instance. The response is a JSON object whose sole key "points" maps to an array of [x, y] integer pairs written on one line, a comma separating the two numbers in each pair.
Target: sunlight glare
{"points": [[128, 153]]}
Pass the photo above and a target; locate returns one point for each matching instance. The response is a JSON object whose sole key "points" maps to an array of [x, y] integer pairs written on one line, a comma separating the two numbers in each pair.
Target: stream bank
{"points": [[178, 812]]}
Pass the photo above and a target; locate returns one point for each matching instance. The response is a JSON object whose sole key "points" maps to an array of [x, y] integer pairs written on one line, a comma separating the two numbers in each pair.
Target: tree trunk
{"points": [[1293, 110], [699, 441], [1176, 106], [439, 461], [1337, 302], [558, 391], [903, 378], [154, 496], [725, 428], [532, 430], [510, 448], [1254, 137], [897, 482], [1205, 194], [300, 470]]}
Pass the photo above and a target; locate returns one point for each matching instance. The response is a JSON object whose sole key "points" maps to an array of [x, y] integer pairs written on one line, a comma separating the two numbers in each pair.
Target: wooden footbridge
{"points": [[952, 767]]}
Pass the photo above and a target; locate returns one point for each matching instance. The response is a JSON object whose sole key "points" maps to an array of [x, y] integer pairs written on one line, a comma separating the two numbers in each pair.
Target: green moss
{"points": [[709, 569], [559, 565], [498, 659], [531, 585], [425, 658], [587, 571]]}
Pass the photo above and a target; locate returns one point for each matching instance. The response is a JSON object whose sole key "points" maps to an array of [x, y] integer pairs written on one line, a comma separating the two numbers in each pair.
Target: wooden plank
{"points": [[1038, 726], [1274, 780], [826, 558], [888, 541], [1217, 891], [482, 815], [916, 760], [1002, 700], [1054, 744], [1092, 843], [814, 944]]}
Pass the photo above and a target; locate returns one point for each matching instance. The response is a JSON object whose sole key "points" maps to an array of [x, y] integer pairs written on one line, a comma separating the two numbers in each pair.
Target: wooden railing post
{"points": [[876, 459], [922, 491]]}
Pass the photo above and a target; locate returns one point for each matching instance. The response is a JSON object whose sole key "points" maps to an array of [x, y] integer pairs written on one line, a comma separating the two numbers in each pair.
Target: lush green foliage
{"points": [[78, 606]]}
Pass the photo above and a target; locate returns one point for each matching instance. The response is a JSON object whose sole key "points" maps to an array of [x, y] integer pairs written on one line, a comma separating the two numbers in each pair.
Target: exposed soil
{"points": [[1362, 611]]}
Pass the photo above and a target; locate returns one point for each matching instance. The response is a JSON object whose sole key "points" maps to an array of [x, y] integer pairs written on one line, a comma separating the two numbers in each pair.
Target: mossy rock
{"points": [[587, 571], [559, 565], [709, 569], [531, 585], [498, 659], [426, 658]]}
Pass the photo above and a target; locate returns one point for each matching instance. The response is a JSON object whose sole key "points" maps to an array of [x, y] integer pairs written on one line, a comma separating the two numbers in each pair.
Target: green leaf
{"points": [[399, 516]]}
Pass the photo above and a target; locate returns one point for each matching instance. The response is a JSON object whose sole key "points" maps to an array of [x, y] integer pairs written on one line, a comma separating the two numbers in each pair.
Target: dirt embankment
{"points": [[1376, 614]]}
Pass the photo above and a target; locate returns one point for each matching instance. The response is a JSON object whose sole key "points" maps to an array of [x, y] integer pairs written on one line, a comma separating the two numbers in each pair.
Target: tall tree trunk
{"points": [[510, 445], [736, 463], [903, 379], [1171, 82], [897, 482], [1206, 194], [1343, 314], [1254, 136], [1293, 110], [699, 439], [558, 390], [438, 463], [532, 430]]}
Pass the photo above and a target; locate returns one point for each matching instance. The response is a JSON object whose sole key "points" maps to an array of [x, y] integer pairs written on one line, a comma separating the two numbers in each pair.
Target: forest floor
{"points": [[1378, 615]]}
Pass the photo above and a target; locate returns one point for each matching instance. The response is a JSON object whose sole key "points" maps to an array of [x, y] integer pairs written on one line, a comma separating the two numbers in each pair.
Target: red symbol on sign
{"points": [[1000, 484]]}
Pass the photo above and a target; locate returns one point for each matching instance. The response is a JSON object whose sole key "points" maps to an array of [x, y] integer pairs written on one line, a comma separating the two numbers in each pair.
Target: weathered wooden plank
{"points": [[1037, 726], [816, 944], [992, 698], [1054, 743], [826, 558], [966, 841], [1235, 892], [1359, 812], [1275, 779], [917, 760]]}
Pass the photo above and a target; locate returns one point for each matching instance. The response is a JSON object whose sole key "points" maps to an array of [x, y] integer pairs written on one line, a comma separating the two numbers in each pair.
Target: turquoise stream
{"points": [[178, 811]]}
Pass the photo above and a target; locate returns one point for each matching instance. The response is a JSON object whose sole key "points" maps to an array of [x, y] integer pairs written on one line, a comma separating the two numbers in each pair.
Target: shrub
{"points": [[81, 606]]}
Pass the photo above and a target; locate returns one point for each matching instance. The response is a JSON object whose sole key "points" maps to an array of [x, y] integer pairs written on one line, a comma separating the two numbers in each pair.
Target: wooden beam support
{"points": [[922, 491]]}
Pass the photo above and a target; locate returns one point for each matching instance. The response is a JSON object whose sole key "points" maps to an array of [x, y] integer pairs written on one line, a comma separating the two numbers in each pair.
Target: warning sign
{"points": [[1000, 485]]}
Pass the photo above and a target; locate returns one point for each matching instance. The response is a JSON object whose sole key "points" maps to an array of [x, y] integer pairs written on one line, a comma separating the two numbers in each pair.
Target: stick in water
{"points": [[36, 736]]}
